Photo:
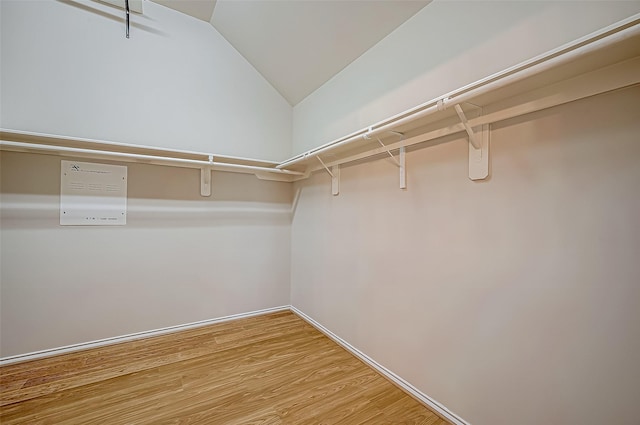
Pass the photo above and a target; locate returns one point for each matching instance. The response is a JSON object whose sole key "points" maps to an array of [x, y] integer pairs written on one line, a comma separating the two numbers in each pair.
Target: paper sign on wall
{"points": [[92, 194]]}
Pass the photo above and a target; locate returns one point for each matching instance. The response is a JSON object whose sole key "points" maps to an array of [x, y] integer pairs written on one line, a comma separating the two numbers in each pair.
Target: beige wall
{"points": [[511, 301], [180, 258]]}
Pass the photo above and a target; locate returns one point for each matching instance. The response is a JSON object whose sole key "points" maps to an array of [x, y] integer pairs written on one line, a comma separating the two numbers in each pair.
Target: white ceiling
{"points": [[201, 9], [298, 45]]}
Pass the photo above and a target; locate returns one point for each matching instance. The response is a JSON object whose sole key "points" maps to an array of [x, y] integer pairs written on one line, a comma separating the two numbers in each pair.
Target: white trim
{"points": [[131, 337], [406, 386]]}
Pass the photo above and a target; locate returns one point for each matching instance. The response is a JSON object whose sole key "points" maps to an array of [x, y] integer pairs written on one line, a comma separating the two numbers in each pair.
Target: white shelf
{"points": [[603, 61], [22, 141]]}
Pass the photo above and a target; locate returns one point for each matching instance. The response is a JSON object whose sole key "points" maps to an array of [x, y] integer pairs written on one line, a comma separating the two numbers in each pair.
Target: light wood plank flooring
{"points": [[270, 369]]}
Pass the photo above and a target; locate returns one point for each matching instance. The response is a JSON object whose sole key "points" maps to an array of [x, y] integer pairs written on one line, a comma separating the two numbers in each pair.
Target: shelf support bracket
{"points": [[205, 179], [478, 145], [334, 172], [472, 136], [479, 158], [400, 162], [335, 180], [403, 169], [390, 154]]}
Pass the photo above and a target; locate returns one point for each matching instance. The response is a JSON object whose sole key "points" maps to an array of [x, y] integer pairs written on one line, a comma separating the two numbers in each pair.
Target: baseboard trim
{"points": [[130, 337], [404, 385]]}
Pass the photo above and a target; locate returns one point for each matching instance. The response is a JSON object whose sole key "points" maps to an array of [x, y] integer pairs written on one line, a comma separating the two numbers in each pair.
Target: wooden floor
{"points": [[271, 369]]}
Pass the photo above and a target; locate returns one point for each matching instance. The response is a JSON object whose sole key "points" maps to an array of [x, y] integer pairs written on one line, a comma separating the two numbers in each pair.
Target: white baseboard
{"points": [[130, 337], [406, 386]]}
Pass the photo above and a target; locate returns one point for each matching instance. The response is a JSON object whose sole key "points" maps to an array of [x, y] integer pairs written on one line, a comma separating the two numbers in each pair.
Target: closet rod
{"points": [[602, 39], [154, 159], [126, 7]]}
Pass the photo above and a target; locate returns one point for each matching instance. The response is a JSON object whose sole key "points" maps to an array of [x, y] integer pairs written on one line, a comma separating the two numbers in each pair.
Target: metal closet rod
{"points": [[602, 39]]}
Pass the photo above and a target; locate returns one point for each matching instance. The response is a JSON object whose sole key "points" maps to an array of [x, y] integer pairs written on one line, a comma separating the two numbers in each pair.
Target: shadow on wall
{"points": [[157, 196]]}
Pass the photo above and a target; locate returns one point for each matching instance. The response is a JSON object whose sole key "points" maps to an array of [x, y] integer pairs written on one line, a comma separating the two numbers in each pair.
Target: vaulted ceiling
{"points": [[298, 45]]}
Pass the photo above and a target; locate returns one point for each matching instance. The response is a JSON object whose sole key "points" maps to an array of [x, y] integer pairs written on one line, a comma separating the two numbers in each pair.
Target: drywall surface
{"points": [[446, 45], [514, 300], [180, 258], [68, 69]]}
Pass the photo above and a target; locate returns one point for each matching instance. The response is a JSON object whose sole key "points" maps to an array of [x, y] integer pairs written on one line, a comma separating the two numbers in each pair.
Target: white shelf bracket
{"points": [[325, 166], [400, 162], [388, 152], [479, 158], [334, 172], [403, 169], [205, 179], [335, 180], [472, 136], [478, 146]]}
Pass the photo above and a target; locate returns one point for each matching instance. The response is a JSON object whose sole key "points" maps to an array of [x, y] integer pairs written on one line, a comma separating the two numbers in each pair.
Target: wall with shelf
{"points": [[68, 69], [181, 258], [512, 300], [446, 45], [494, 298]]}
